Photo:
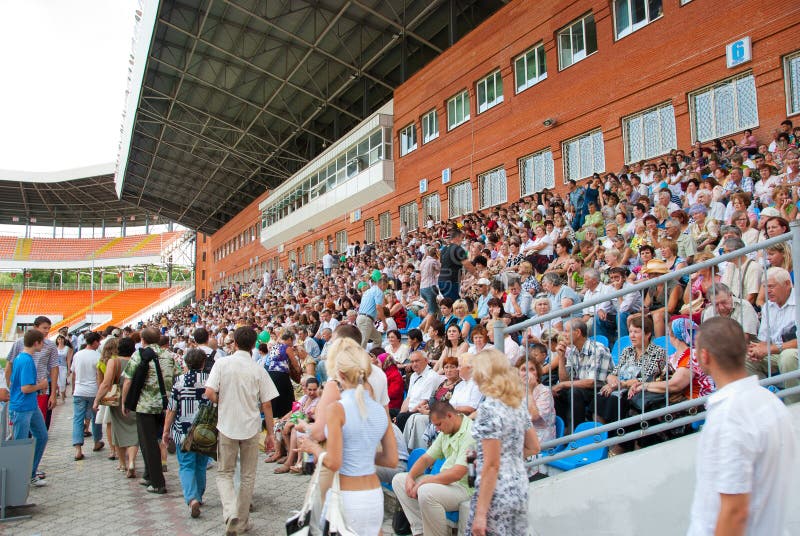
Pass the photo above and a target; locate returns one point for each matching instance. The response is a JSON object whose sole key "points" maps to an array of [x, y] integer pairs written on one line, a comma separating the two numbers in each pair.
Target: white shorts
{"points": [[62, 378], [363, 511]]}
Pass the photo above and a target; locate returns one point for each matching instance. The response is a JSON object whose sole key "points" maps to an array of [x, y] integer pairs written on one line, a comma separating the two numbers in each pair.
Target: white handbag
{"points": [[299, 523], [334, 512]]}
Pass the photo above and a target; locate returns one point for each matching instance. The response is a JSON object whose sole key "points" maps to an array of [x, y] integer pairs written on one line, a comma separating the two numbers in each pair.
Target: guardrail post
{"points": [[794, 227], [499, 336]]}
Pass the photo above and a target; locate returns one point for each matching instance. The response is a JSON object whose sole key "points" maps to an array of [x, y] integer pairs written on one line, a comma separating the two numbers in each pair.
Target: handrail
{"points": [[501, 331]]}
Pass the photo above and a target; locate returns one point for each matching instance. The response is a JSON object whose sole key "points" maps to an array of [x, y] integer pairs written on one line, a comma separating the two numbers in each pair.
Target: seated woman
{"points": [[417, 424], [465, 320], [640, 362], [285, 432], [454, 346], [466, 395], [480, 340], [394, 381], [541, 405], [541, 307], [687, 380], [396, 348]]}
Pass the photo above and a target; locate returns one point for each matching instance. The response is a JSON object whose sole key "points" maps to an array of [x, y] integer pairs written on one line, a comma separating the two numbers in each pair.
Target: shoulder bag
{"points": [[139, 378], [203, 435], [335, 525], [113, 397], [299, 523]]}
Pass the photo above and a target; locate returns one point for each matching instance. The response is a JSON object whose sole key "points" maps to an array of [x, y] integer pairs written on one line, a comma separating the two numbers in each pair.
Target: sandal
{"points": [[280, 470], [272, 458], [131, 473], [282, 459], [79, 457], [295, 469], [98, 446]]}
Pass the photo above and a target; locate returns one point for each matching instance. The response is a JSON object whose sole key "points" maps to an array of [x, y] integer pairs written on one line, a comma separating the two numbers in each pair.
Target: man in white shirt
{"points": [[726, 305], [777, 328], [200, 336], [327, 263], [746, 449], [243, 391], [421, 385], [601, 319], [84, 381]]}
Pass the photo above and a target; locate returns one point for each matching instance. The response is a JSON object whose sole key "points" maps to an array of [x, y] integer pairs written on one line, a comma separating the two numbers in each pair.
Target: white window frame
{"points": [[459, 102], [385, 224], [493, 82], [340, 240], [369, 231], [308, 253], [591, 141], [537, 56], [739, 125], [459, 199], [628, 6], [410, 214], [568, 30], [792, 87], [667, 133], [430, 126], [432, 206], [408, 139], [492, 188], [319, 247], [543, 174]]}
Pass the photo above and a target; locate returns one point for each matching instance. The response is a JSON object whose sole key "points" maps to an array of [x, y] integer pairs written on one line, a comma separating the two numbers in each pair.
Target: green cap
{"points": [[362, 285], [263, 336], [376, 275]]}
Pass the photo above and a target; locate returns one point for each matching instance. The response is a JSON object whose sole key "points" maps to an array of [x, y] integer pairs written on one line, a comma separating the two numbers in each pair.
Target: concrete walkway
{"points": [[91, 497]]}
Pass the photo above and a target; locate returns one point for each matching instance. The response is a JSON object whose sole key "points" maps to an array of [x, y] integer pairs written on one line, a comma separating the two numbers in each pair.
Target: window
{"points": [[458, 110], [369, 231], [408, 139], [409, 214], [341, 241], [536, 172], [530, 68], [630, 15], [320, 247], [650, 133], [583, 156], [724, 108], [492, 188], [385, 221], [430, 126], [459, 199], [490, 91], [577, 41], [432, 206], [792, 75], [308, 253]]}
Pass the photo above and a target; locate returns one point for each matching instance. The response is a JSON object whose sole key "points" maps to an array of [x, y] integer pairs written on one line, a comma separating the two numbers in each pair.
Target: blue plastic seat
{"points": [[559, 433], [434, 470], [413, 323], [663, 342], [413, 456], [602, 339], [621, 344], [586, 458]]}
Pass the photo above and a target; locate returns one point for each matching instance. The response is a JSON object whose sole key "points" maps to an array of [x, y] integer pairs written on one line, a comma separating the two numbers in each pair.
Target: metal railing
{"points": [[668, 412]]}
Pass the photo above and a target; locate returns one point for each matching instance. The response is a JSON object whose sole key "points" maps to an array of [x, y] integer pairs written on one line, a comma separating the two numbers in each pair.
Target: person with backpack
{"points": [[149, 376]]}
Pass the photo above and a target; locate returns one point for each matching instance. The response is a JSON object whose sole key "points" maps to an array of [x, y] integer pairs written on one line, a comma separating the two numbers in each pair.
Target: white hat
{"points": [[484, 281]]}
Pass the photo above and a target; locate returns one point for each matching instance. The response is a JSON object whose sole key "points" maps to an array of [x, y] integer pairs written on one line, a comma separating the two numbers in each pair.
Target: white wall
{"points": [[645, 492]]}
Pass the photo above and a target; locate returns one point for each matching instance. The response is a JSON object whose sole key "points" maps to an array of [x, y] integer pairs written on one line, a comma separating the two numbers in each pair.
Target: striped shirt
{"points": [[187, 395]]}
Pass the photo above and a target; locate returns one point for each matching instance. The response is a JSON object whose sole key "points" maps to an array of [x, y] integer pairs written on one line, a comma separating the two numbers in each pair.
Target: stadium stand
{"points": [[66, 249]]}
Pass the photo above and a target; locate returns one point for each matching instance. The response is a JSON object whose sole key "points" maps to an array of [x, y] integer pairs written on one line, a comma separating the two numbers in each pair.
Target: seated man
{"points": [[602, 318], [421, 385], [776, 353], [426, 498], [586, 366], [725, 304], [742, 275]]}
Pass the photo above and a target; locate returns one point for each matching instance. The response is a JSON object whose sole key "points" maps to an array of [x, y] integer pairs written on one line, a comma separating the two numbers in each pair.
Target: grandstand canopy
{"points": [[238, 95]]}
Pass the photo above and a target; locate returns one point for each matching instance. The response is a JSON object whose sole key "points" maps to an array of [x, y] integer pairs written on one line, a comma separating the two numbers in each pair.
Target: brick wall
{"points": [[662, 62]]}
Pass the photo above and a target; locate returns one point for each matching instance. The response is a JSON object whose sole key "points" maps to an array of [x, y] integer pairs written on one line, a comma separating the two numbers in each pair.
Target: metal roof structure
{"points": [[238, 95]]}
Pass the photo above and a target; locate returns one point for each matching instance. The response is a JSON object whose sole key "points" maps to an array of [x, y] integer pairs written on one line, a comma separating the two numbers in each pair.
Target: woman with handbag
{"points": [[281, 365], [123, 428], [354, 426], [187, 396]]}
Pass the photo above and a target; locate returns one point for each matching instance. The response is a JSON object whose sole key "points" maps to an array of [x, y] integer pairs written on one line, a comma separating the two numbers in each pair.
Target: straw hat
{"points": [[656, 267]]}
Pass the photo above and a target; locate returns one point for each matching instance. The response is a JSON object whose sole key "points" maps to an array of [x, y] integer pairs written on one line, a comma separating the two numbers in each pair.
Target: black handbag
{"points": [[400, 524]]}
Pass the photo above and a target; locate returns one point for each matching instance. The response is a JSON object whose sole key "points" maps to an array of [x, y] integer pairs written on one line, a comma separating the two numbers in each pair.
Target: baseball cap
{"points": [[484, 281]]}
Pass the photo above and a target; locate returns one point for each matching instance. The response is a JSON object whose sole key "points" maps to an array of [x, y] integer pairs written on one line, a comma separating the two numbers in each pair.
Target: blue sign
{"points": [[738, 52]]}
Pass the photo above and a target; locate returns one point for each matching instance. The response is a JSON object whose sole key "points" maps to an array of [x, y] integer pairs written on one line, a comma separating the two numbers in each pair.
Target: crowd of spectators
{"points": [[427, 302]]}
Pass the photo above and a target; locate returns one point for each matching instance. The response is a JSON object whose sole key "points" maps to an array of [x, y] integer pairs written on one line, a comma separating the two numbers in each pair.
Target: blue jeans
{"points": [[192, 472], [82, 409], [450, 289], [429, 294], [31, 422], [322, 371]]}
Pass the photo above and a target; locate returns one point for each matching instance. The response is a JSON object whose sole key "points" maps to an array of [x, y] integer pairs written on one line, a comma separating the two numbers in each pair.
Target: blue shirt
{"points": [[23, 372], [370, 301]]}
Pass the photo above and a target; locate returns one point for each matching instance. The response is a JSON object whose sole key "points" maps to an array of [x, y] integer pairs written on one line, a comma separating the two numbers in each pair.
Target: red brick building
{"points": [[546, 91]]}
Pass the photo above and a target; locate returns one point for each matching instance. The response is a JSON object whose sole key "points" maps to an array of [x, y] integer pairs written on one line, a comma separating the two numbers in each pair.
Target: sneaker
{"points": [[159, 491], [38, 482], [144, 482], [41, 474], [230, 526]]}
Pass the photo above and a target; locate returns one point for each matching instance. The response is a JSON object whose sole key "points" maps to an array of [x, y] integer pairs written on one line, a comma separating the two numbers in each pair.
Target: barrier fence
{"points": [[670, 416]]}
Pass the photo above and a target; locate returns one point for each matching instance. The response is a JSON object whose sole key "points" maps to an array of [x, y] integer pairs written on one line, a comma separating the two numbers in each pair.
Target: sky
{"points": [[64, 74]]}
